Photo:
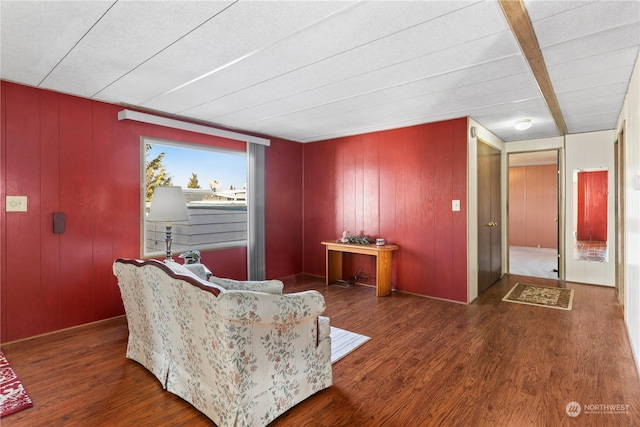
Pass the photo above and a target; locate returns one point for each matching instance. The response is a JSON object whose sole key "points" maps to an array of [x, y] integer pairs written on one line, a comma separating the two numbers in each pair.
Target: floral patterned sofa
{"points": [[239, 356]]}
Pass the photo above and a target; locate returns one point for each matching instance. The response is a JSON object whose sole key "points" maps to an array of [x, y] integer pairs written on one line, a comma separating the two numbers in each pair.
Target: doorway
{"points": [[533, 213], [489, 216]]}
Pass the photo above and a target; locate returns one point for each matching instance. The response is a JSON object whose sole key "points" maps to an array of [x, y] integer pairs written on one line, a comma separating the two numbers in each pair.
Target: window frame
{"points": [[159, 228]]}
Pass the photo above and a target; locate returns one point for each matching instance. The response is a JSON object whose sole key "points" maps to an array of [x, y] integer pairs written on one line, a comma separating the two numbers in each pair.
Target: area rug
{"points": [[13, 397], [542, 296], [344, 342]]}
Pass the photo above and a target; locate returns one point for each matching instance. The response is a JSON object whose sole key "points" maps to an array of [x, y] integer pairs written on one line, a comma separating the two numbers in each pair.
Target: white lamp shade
{"points": [[168, 205]]}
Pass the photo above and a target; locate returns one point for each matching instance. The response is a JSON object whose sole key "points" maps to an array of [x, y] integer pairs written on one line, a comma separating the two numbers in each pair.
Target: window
{"points": [[214, 184]]}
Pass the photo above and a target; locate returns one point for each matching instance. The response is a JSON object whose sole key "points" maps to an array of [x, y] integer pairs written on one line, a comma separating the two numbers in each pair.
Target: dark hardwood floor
{"points": [[430, 362]]}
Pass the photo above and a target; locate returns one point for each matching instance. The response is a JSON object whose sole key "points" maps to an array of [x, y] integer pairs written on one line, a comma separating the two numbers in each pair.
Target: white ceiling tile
{"points": [[606, 61], [589, 100], [591, 108], [33, 39], [130, 33], [240, 30], [592, 123], [593, 44], [538, 10], [341, 76], [585, 81], [353, 29], [616, 90], [425, 75], [586, 20]]}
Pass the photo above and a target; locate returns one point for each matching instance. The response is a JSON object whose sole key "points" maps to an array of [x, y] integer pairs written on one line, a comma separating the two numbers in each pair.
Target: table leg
{"points": [[383, 274], [334, 266]]}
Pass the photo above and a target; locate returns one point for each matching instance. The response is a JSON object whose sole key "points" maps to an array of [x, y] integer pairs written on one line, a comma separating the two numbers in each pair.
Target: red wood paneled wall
{"points": [[593, 193], [283, 215], [399, 185], [533, 206], [72, 155]]}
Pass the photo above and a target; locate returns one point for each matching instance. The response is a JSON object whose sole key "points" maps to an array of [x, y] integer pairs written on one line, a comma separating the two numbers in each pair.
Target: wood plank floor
{"points": [[430, 362]]}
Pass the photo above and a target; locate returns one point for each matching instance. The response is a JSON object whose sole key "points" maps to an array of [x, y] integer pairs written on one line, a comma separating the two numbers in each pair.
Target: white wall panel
{"points": [[630, 119]]}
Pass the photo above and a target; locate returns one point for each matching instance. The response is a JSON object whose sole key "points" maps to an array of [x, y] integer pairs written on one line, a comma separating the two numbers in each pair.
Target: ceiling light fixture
{"points": [[522, 124]]}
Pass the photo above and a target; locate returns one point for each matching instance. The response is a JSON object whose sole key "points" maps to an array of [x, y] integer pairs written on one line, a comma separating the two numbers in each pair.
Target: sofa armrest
{"points": [[270, 308], [267, 286]]}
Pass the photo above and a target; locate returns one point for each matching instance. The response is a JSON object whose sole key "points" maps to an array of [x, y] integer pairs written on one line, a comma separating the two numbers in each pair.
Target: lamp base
{"points": [[168, 241]]}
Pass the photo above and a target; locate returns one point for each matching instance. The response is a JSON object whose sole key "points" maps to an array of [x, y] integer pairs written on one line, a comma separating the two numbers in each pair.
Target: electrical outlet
{"points": [[16, 203]]}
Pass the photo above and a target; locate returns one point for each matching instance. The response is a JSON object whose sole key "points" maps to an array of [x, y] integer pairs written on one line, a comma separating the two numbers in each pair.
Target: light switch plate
{"points": [[16, 203], [455, 205]]}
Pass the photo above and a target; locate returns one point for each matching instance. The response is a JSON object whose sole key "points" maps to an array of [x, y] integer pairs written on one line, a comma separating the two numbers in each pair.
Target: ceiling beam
{"points": [[520, 23]]}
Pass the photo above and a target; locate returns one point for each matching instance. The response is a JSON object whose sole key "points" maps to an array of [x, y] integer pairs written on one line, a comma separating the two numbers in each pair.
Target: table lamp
{"points": [[168, 205]]}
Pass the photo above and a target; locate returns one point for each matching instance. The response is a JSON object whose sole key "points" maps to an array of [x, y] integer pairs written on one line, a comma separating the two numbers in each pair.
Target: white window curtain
{"points": [[256, 264]]}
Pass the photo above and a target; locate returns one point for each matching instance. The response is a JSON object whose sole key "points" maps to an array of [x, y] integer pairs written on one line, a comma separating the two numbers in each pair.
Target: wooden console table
{"points": [[382, 253]]}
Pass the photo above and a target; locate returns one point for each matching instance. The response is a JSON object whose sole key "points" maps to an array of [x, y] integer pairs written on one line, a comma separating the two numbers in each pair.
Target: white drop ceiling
{"points": [[314, 70]]}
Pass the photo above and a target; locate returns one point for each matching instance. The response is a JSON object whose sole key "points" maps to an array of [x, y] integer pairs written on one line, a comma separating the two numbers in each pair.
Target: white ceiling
{"points": [[313, 70]]}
